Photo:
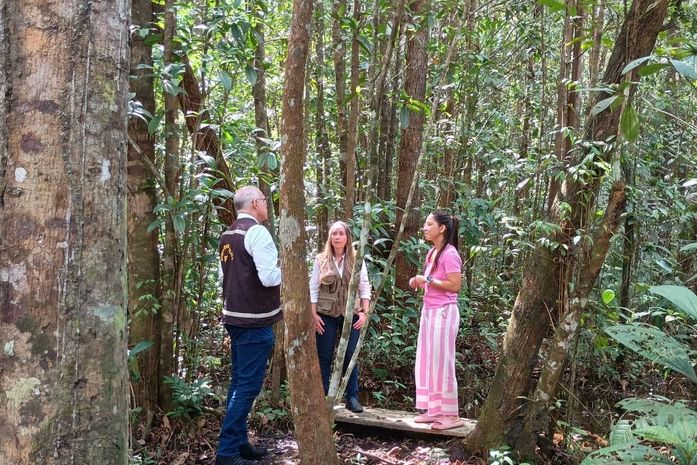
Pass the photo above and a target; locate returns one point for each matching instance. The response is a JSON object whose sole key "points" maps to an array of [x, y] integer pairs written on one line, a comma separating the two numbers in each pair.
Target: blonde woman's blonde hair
{"points": [[349, 252]]}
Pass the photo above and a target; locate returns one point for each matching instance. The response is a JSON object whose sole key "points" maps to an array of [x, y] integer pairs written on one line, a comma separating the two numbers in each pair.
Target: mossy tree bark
{"points": [[63, 390]]}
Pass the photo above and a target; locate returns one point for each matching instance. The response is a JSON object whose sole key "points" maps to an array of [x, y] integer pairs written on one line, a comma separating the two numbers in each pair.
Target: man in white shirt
{"points": [[251, 295]]}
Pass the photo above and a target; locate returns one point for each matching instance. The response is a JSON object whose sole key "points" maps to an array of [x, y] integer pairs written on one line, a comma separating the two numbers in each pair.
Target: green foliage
{"points": [[653, 430], [654, 345], [503, 456], [132, 361], [671, 427], [269, 415], [188, 397]]}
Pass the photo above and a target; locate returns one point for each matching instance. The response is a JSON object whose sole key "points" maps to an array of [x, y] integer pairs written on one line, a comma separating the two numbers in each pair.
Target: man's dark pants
{"points": [[325, 352], [250, 349]]}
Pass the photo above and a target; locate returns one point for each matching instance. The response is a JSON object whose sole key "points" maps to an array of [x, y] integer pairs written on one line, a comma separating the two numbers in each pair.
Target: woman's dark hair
{"points": [[452, 226]]}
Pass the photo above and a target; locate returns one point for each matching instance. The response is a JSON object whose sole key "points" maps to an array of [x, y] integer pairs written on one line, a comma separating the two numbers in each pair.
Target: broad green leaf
{"points": [[656, 346], [140, 347], [553, 5], [179, 223], [629, 123], [272, 162], [603, 104], [633, 64], [251, 74], [404, 118], [627, 453], [621, 433], [608, 296], [685, 69], [661, 422], [154, 225], [225, 80], [222, 193], [683, 298], [652, 68], [365, 44], [154, 123], [688, 247]]}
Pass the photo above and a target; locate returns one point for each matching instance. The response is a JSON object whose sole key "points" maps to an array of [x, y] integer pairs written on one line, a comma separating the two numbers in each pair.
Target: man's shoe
{"points": [[251, 452], [353, 405], [227, 460]]}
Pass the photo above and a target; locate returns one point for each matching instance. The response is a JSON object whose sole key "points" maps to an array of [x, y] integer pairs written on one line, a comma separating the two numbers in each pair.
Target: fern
{"points": [[655, 422], [653, 425], [656, 346], [629, 453]]}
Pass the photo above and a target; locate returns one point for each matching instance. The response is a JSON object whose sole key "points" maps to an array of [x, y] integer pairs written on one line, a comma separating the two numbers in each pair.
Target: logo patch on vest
{"points": [[226, 254]]}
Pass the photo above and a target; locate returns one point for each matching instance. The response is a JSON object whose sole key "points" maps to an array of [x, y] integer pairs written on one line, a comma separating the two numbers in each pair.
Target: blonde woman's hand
{"points": [[362, 317], [319, 323]]}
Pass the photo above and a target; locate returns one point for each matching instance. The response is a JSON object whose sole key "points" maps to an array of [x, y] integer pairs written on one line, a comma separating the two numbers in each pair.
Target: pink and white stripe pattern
{"points": [[436, 385]]}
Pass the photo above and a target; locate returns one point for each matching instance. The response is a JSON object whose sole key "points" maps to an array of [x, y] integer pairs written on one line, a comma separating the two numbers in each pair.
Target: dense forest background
{"points": [[488, 105], [561, 133]]}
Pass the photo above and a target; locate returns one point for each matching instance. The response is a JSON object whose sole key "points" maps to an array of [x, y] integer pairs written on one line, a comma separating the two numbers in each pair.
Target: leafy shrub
{"points": [[188, 397]]}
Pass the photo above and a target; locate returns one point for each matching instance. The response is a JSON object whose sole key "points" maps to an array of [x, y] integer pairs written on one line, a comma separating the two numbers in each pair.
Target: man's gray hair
{"points": [[244, 197]]}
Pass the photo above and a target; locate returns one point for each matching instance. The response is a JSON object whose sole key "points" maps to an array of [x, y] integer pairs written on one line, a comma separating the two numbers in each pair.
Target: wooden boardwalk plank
{"points": [[397, 420]]}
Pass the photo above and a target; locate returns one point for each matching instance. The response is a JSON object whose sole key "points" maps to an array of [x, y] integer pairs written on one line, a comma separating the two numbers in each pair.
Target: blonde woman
{"points": [[329, 284]]}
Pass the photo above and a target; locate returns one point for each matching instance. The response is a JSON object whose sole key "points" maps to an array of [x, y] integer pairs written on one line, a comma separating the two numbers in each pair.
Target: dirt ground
{"points": [[180, 443]]}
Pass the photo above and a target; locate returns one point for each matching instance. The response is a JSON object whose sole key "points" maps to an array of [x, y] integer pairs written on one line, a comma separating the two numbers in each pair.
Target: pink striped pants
{"points": [[436, 385]]}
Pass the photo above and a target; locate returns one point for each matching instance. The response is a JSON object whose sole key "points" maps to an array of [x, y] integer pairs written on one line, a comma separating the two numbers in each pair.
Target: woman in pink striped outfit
{"points": [[436, 386]]}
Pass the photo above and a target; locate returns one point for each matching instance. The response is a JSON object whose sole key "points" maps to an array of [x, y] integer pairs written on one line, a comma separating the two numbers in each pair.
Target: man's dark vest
{"points": [[247, 302]]}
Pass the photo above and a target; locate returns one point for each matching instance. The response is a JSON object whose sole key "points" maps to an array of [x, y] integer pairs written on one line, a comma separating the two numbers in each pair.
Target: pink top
{"points": [[448, 262]]}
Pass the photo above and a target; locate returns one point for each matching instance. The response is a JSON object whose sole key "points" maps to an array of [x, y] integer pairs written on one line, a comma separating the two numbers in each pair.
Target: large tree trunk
{"points": [[63, 95], [501, 416], [143, 257], [315, 442], [410, 143], [206, 139], [588, 261]]}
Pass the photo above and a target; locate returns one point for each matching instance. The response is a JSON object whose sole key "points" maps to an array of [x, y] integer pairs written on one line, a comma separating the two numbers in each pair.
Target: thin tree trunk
{"points": [[63, 299], [378, 104], [170, 278], [560, 139], [354, 107], [143, 257], [501, 416], [594, 60], [394, 123], [321, 136], [628, 244], [446, 193], [315, 441], [340, 90]]}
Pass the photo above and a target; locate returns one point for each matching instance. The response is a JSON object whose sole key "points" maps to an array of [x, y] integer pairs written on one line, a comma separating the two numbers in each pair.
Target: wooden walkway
{"points": [[397, 420]]}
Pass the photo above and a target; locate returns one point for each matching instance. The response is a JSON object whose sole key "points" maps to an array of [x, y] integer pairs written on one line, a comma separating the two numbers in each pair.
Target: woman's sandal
{"points": [[426, 418], [444, 423]]}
